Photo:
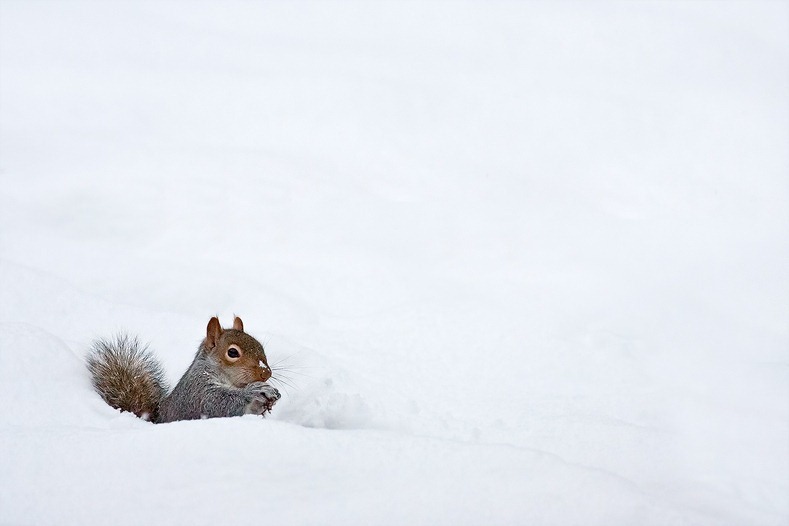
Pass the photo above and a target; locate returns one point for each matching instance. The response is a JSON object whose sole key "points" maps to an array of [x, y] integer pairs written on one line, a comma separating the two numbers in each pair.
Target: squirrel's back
{"points": [[127, 376]]}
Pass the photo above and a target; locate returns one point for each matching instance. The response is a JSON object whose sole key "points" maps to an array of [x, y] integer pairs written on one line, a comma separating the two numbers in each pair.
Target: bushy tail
{"points": [[127, 375]]}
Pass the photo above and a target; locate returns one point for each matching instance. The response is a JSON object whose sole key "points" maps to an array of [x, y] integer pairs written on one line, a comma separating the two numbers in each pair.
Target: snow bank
{"points": [[520, 262]]}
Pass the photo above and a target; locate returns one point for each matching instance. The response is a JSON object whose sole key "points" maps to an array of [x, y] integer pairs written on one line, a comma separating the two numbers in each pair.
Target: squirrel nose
{"points": [[265, 370]]}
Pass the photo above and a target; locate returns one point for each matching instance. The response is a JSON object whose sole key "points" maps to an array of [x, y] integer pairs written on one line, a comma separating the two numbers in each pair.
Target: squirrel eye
{"points": [[232, 352]]}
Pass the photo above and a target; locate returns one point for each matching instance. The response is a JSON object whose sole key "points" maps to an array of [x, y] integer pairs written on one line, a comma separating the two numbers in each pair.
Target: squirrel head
{"points": [[240, 356]]}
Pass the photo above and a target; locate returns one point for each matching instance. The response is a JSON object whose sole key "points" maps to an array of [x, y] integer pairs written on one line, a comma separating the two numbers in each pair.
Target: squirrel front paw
{"points": [[262, 398]]}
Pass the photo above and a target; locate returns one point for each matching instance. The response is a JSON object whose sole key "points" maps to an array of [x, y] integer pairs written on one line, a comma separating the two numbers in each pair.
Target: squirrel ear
{"points": [[213, 332], [238, 324]]}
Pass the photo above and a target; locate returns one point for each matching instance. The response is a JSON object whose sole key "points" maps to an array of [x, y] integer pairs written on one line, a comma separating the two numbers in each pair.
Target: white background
{"points": [[525, 263]]}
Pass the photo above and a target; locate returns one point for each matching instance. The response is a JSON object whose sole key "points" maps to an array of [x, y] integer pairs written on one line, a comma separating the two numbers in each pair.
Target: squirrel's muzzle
{"points": [[264, 371]]}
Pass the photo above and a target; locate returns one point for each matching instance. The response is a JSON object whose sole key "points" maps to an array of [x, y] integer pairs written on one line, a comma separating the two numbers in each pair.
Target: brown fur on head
{"points": [[240, 356]]}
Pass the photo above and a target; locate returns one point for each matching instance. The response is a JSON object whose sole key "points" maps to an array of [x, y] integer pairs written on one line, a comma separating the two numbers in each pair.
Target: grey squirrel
{"points": [[226, 378]]}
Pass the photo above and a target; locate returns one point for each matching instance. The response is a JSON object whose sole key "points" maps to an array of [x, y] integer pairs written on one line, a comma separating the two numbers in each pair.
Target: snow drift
{"points": [[523, 263]]}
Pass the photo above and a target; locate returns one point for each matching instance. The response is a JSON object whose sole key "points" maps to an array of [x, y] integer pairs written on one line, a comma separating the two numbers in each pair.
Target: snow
{"points": [[514, 263]]}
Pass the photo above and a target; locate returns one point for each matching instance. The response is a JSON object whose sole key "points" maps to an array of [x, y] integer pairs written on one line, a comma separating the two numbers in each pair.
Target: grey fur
{"points": [[127, 375], [203, 393], [120, 366]]}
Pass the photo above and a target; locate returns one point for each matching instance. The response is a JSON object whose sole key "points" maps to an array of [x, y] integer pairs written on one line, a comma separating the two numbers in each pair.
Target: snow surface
{"points": [[524, 263]]}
